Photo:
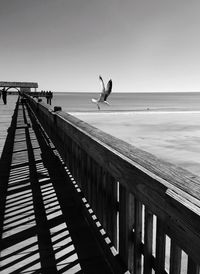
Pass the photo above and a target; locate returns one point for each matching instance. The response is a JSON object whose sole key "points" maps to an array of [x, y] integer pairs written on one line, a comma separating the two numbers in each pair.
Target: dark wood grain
{"points": [[169, 192]]}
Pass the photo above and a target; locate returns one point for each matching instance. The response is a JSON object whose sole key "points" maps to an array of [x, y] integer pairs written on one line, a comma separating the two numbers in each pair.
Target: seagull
{"points": [[104, 94]]}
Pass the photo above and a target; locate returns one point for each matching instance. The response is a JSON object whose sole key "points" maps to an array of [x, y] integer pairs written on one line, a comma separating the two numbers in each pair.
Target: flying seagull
{"points": [[104, 94]]}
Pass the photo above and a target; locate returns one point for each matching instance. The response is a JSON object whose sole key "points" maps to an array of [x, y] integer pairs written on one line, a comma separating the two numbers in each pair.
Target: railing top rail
{"points": [[167, 174]]}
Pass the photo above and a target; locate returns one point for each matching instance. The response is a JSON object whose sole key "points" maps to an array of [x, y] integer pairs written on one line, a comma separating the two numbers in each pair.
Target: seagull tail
{"points": [[106, 102]]}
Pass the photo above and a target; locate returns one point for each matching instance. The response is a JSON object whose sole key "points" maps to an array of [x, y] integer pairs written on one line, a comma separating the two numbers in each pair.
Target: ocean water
{"points": [[73, 102]]}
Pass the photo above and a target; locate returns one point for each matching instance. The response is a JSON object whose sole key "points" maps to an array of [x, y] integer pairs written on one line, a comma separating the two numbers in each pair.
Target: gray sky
{"points": [[143, 45]]}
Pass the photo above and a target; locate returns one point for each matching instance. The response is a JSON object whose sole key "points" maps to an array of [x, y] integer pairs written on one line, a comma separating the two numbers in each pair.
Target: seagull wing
{"points": [[108, 90]]}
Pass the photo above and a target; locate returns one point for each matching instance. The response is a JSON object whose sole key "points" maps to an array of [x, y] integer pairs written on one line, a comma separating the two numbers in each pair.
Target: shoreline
{"points": [[134, 111]]}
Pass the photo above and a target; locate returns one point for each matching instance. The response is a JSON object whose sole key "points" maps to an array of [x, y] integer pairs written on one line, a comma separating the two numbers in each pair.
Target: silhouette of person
{"points": [[47, 97], [50, 97], [4, 96]]}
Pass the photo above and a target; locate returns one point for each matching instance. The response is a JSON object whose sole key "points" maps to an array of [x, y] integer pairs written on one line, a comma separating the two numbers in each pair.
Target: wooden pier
{"points": [[77, 200]]}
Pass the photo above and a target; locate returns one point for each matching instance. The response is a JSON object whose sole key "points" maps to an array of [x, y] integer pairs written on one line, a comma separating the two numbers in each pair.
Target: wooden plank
{"points": [[112, 206], [88, 186], [131, 220], [93, 184], [88, 182], [108, 204], [160, 248], [78, 179], [83, 171], [175, 258], [138, 237], [148, 240], [126, 225], [193, 268], [104, 198], [99, 211], [123, 224]]}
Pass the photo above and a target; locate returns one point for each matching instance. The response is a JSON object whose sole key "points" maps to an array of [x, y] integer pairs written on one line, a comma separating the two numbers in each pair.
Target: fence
{"points": [[149, 209]]}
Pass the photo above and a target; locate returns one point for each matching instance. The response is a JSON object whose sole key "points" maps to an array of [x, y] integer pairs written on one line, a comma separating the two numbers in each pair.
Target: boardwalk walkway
{"points": [[6, 112], [42, 225]]}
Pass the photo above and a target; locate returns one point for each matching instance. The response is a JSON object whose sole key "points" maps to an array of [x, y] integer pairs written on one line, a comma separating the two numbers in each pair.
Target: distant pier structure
{"points": [[19, 86]]}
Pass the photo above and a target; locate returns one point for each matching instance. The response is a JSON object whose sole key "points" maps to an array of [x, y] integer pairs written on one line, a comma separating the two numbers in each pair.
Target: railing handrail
{"points": [[169, 192], [167, 174]]}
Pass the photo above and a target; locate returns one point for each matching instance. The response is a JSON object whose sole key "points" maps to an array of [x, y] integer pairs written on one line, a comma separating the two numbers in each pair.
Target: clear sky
{"points": [[143, 45]]}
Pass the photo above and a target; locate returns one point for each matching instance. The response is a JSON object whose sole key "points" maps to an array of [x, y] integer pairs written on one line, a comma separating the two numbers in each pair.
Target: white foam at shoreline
{"points": [[134, 112]]}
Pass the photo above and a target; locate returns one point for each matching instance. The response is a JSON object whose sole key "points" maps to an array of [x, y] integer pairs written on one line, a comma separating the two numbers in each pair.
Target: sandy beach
{"points": [[173, 136]]}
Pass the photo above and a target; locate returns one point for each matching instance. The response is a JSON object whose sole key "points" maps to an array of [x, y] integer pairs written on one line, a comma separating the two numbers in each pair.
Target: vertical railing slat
{"points": [[175, 259], [111, 205], [137, 237], [93, 185], [100, 194], [123, 224], [104, 198], [84, 173], [114, 211], [193, 268], [126, 225], [160, 248], [148, 240], [131, 220], [89, 179]]}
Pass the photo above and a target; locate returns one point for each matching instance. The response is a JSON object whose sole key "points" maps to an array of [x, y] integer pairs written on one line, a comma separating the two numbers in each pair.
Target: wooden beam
{"points": [[19, 84]]}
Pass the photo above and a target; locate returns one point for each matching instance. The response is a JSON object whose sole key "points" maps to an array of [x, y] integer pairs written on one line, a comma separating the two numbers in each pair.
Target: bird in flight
{"points": [[104, 94]]}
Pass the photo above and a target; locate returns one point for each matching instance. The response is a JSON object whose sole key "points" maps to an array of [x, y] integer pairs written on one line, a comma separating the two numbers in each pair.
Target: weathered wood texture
{"points": [[147, 187]]}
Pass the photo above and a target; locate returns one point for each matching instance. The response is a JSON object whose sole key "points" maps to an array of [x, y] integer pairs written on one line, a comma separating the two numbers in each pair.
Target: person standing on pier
{"points": [[49, 96], [4, 96]]}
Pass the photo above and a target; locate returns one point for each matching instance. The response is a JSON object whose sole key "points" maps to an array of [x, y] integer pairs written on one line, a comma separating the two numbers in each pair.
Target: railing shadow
{"points": [[90, 255], [31, 240]]}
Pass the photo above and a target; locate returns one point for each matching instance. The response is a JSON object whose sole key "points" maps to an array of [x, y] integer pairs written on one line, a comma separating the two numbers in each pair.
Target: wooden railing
{"points": [[149, 209]]}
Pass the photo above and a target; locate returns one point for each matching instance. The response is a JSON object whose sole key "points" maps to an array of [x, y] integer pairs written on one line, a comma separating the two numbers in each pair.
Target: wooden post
{"points": [[138, 237], [160, 248], [148, 241], [175, 259]]}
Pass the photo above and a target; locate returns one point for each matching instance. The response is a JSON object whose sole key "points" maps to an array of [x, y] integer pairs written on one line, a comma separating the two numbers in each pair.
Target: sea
{"points": [[81, 101]]}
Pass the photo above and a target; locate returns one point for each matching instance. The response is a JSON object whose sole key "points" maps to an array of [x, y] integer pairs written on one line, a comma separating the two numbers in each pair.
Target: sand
{"points": [[173, 136]]}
